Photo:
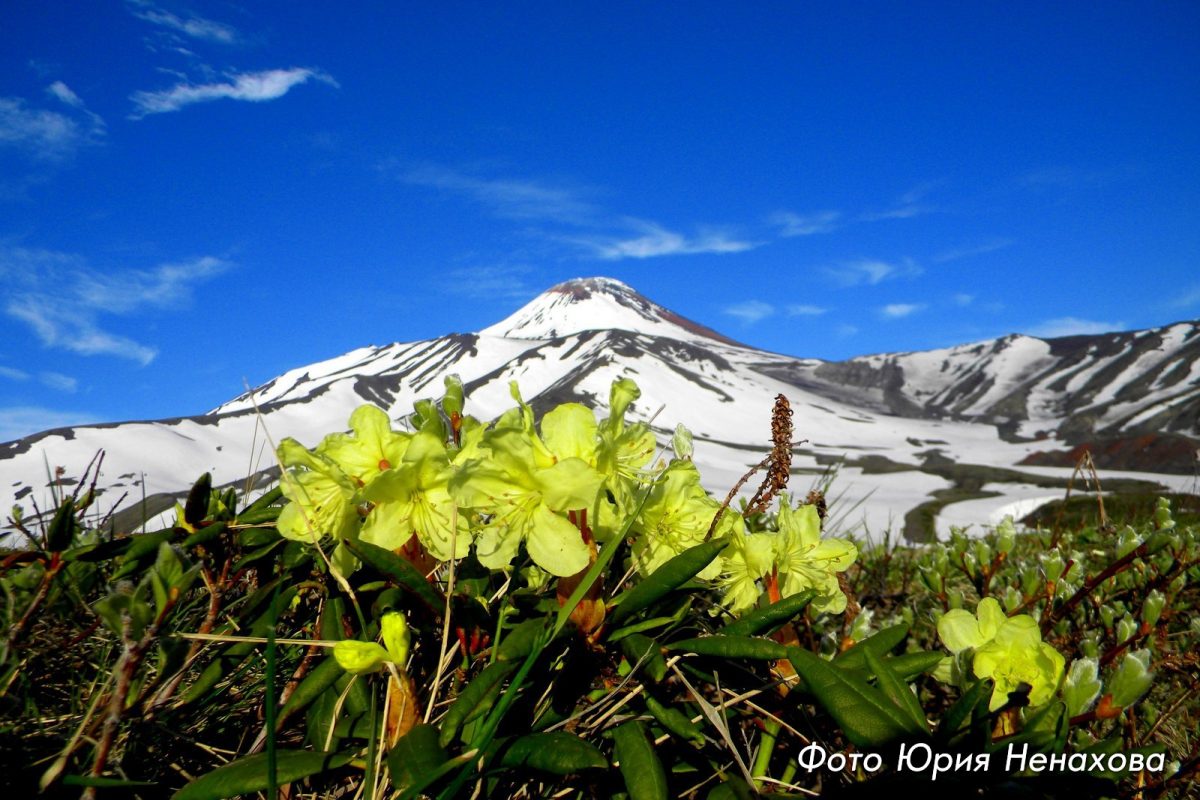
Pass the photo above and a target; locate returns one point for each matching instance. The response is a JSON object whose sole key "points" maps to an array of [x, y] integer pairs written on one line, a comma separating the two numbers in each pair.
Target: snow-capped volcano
{"points": [[963, 434], [593, 304]]}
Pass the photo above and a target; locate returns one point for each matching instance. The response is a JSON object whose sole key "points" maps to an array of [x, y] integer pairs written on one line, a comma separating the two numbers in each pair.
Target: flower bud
{"points": [[452, 401], [681, 442], [1053, 564], [1162, 515], [358, 657], [1107, 616], [1126, 628], [1012, 600], [1082, 686], [395, 636], [1152, 608], [1127, 541], [1132, 679], [1006, 535]]}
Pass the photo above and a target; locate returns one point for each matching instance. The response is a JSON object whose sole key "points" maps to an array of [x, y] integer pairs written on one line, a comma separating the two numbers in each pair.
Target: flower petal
{"points": [[555, 544], [568, 485], [569, 431]]}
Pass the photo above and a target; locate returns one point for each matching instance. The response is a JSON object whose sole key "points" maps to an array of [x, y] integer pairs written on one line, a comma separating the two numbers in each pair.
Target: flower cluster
{"points": [[553, 487]]}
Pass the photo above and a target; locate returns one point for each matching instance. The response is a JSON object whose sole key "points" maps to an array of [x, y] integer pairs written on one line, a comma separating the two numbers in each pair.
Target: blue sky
{"points": [[193, 195]]}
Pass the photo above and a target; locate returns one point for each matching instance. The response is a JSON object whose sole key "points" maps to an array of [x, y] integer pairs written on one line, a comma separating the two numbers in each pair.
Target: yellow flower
{"points": [[806, 561]]}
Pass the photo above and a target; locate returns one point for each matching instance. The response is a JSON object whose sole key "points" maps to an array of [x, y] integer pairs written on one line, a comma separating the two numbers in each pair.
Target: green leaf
{"points": [[558, 752], [258, 516], [640, 767], [519, 642], [167, 565], [196, 507], [639, 627], [865, 714], [896, 690], [142, 546], [962, 709], [910, 665], [249, 774], [734, 788], [399, 570], [112, 608], [674, 720], [639, 648], [415, 757], [258, 553], [669, 577], [771, 616], [205, 534], [725, 646], [1045, 729], [880, 644], [62, 527], [475, 699], [101, 551], [309, 689]]}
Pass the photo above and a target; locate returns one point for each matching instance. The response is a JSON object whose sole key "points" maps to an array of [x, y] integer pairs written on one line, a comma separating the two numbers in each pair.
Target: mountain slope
{"points": [[912, 432], [1099, 390]]}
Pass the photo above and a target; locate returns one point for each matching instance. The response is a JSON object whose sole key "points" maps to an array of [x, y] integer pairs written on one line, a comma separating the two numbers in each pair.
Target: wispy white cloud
{"points": [[750, 311], [1072, 326], [495, 281], [129, 290], [57, 326], [910, 204], [845, 330], [791, 224], [805, 310], [511, 198], [901, 310], [64, 93], [570, 216], [970, 251], [13, 374], [871, 271], [19, 421], [196, 27], [44, 134], [59, 382], [962, 299], [654, 240], [62, 299], [253, 87]]}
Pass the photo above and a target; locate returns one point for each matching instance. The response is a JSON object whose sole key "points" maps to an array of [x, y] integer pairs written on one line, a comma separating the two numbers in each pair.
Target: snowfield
{"points": [[572, 341]]}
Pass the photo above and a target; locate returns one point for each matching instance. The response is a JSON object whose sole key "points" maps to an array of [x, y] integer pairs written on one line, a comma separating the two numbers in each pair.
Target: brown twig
{"points": [[732, 493], [43, 590], [127, 666], [1055, 614]]}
